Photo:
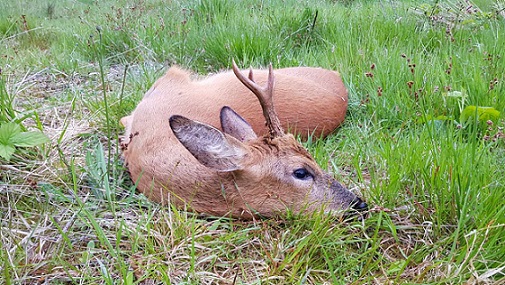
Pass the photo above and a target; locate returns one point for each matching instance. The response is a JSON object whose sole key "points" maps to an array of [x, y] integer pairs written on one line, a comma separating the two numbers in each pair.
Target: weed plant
{"points": [[435, 179]]}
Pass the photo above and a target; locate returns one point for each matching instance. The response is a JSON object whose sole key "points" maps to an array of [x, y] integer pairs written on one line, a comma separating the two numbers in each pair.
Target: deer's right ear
{"points": [[236, 126], [209, 145]]}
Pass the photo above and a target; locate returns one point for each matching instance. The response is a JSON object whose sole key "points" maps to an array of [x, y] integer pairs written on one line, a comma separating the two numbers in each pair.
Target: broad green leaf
{"points": [[7, 131], [430, 118], [6, 151], [443, 118], [29, 139], [483, 114]]}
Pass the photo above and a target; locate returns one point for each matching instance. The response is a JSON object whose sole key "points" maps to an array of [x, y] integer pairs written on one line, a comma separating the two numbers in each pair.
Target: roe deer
{"points": [[192, 164]]}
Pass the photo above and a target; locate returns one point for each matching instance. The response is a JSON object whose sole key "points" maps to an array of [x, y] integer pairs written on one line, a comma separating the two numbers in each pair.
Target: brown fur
{"points": [[309, 101], [234, 173]]}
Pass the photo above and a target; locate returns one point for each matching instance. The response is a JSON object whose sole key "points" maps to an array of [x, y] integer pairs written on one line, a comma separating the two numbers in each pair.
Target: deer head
{"points": [[261, 176]]}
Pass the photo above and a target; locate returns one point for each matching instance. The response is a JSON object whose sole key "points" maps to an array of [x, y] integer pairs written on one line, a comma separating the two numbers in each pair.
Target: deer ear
{"points": [[209, 145], [236, 126]]}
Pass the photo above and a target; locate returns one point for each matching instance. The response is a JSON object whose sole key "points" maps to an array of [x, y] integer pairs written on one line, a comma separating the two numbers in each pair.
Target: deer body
{"points": [[176, 154], [309, 101]]}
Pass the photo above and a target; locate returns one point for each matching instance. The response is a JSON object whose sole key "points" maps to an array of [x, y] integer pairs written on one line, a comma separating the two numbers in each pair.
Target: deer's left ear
{"points": [[236, 126], [209, 145]]}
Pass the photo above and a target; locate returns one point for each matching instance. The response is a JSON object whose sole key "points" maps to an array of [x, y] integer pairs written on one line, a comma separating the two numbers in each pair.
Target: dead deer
{"points": [[176, 154]]}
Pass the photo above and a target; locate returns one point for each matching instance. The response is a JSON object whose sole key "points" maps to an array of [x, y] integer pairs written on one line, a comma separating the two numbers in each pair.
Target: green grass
{"points": [[70, 215]]}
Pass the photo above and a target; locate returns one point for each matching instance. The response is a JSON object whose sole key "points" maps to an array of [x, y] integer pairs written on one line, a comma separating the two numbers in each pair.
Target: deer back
{"points": [[309, 101]]}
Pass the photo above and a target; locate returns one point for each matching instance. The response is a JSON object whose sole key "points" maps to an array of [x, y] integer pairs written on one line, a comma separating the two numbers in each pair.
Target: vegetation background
{"points": [[417, 143]]}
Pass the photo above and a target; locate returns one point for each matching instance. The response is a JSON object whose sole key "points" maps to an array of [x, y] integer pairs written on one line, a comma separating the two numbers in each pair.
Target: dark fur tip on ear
{"points": [[177, 120], [229, 110], [226, 108], [236, 126]]}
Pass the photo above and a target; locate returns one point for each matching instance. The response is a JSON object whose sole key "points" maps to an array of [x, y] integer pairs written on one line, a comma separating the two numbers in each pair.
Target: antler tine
{"points": [[250, 76], [264, 95]]}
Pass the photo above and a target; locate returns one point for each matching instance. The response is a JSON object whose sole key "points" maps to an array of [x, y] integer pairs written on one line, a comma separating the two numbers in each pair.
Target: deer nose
{"points": [[359, 205]]}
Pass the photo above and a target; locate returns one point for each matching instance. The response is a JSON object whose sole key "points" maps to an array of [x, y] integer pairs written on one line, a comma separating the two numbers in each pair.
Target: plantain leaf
{"points": [[29, 139], [483, 114], [430, 118]]}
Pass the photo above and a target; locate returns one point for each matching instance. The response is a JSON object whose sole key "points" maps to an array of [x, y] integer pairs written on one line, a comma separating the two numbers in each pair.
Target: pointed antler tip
{"points": [[251, 74], [235, 68]]}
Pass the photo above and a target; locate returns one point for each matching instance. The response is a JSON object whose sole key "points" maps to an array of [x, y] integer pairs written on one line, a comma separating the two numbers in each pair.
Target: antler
{"points": [[264, 95]]}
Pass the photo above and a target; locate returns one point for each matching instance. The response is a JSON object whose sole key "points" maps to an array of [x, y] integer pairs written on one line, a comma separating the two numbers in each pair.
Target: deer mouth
{"points": [[359, 205], [357, 210]]}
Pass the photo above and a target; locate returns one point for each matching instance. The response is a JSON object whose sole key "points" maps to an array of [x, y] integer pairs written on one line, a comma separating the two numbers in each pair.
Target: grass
{"points": [[70, 215]]}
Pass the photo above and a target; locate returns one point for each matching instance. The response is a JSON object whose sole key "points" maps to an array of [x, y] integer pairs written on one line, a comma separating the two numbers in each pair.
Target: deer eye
{"points": [[302, 173]]}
